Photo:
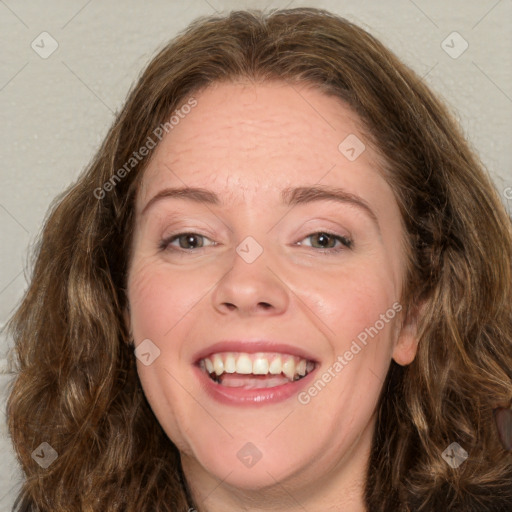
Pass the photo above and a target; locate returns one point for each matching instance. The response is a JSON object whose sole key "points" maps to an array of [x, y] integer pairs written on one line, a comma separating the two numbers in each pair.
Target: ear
{"points": [[406, 345]]}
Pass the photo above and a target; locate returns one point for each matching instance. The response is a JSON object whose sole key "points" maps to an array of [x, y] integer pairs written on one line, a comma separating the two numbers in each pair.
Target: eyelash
{"points": [[345, 241]]}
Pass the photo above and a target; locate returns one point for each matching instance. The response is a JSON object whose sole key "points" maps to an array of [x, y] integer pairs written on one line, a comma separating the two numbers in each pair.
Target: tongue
{"points": [[237, 380]]}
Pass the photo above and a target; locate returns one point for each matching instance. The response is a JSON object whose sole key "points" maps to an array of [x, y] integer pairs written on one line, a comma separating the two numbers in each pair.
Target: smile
{"points": [[255, 370]]}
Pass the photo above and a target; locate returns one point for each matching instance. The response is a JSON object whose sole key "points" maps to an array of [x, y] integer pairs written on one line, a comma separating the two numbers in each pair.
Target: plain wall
{"points": [[56, 110]]}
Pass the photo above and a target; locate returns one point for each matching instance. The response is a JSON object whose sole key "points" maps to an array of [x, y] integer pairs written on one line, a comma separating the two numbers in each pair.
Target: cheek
{"points": [[160, 297], [359, 311], [352, 300], [165, 395], [147, 300], [158, 300]]}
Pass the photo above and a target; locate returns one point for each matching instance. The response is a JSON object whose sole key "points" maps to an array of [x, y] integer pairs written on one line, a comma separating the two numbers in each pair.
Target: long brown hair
{"points": [[77, 387]]}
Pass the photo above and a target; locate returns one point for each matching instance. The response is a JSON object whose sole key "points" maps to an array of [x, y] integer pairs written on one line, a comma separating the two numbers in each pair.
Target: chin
{"points": [[245, 466]]}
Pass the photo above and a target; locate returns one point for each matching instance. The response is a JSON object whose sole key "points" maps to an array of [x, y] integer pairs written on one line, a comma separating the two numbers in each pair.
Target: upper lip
{"points": [[251, 347]]}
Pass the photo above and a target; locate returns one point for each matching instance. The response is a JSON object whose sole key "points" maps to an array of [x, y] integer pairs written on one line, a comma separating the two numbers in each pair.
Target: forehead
{"points": [[245, 139]]}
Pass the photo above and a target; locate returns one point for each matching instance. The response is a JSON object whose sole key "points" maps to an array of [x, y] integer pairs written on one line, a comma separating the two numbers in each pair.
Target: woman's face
{"points": [[291, 280]]}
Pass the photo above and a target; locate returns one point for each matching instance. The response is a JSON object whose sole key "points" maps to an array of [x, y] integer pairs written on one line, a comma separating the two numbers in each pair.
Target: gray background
{"points": [[56, 110]]}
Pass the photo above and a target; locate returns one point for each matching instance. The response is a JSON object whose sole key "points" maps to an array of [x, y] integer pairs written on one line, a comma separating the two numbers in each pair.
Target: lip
{"points": [[251, 347], [257, 396], [251, 397]]}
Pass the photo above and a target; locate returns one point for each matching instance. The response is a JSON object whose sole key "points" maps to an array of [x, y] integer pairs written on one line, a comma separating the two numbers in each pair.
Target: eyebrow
{"points": [[290, 196]]}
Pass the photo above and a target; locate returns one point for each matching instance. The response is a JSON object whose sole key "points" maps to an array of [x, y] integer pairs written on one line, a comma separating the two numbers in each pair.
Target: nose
{"points": [[251, 288]]}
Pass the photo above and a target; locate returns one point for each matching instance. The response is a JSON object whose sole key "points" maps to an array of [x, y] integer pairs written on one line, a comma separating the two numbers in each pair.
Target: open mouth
{"points": [[251, 371]]}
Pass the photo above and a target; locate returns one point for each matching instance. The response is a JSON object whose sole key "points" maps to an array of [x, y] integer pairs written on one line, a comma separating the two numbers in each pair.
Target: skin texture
{"points": [[246, 143]]}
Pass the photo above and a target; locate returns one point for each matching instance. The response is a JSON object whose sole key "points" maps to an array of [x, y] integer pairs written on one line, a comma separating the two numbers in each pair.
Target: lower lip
{"points": [[258, 396]]}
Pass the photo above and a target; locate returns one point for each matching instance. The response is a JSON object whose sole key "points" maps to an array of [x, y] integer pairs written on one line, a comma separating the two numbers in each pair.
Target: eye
{"points": [[325, 239], [186, 241], [189, 241]]}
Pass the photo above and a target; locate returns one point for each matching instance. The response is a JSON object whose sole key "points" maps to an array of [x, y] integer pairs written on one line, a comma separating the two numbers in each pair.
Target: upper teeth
{"points": [[257, 364]]}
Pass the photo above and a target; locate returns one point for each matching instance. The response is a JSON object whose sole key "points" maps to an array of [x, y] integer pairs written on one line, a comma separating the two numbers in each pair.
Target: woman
{"points": [[185, 345]]}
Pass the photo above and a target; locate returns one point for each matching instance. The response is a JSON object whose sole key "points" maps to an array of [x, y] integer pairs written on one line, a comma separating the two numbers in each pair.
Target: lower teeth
{"points": [[217, 378]]}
